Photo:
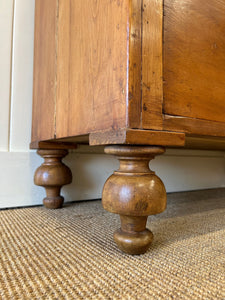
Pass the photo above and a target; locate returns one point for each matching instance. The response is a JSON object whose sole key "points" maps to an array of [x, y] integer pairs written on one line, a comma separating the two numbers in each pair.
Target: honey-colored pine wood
{"points": [[105, 75], [52, 145], [137, 137], [194, 126], [52, 175], [134, 192], [99, 69], [45, 71], [92, 66], [135, 65], [152, 64], [194, 59]]}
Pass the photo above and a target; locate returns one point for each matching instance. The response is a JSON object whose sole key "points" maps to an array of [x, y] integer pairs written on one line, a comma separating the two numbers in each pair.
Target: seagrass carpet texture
{"points": [[70, 253]]}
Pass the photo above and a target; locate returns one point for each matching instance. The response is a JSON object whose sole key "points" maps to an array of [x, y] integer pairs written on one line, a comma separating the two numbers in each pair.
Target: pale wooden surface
{"points": [[137, 137], [92, 66], [44, 70], [103, 78], [135, 65], [194, 59], [194, 126], [152, 73], [108, 73], [52, 145]]}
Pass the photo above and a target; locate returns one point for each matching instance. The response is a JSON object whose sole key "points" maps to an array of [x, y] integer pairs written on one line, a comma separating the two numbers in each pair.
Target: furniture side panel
{"points": [[194, 59], [44, 69], [92, 84]]}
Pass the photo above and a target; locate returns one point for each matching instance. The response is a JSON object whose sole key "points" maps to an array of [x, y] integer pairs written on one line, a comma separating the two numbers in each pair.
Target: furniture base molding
{"points": [[127, 136], [52, 145], [52, 175], [134, 192]]}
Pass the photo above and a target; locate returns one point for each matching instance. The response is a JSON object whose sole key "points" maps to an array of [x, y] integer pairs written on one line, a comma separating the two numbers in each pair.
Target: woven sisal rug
{"points": [[70, 254]]}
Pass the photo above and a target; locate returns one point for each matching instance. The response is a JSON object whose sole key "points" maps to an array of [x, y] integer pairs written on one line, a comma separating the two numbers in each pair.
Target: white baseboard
{"points": [[180, 171]]}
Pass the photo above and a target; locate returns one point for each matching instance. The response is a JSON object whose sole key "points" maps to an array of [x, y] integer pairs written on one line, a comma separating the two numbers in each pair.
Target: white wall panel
{"points": [[6, 19], [22, 75], [184, 173], [16, 179]]}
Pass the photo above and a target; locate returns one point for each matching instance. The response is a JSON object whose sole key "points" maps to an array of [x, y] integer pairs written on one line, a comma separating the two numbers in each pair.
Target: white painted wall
{"points": [[6, 23], [179, 169]]}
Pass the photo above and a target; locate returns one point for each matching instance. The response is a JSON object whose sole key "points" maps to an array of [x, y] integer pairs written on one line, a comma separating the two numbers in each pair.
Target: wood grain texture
{"points": [[134, 192], [108, 137], [137, 137], [155, 137], [52, 145], [52, 175], [194, 126], [194, 59], [98, 71], [135, 65], [152, 61], [92, 66], [45, 70]]}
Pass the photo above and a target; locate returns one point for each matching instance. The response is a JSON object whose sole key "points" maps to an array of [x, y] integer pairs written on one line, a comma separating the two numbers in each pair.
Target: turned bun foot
{"points": [[52, 175], [133, 237], [53, 202], [134, 192]]}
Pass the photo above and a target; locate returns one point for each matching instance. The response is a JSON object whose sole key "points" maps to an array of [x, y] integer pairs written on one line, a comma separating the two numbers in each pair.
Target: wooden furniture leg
{"points": [[52, 175], [134, 192]]}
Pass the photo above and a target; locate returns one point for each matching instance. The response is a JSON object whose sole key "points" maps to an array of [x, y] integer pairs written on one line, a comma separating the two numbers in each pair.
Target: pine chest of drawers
{"points": [[136, 76]]}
